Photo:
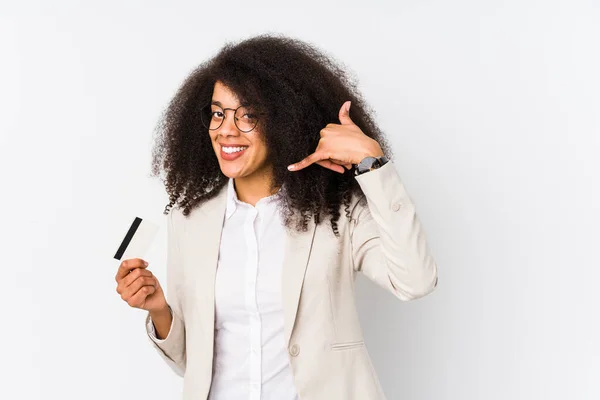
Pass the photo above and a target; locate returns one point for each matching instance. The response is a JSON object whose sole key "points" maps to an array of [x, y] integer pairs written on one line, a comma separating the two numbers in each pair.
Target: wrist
{"points": [[373, 151], [163, 313], [162, 320]]}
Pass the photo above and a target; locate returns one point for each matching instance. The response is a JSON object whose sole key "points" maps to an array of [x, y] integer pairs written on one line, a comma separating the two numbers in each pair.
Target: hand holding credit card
{"points": [[135, 283]]}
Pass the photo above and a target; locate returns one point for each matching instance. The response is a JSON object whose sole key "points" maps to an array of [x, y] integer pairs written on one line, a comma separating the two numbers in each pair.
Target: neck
{"points": [[251, 189]]}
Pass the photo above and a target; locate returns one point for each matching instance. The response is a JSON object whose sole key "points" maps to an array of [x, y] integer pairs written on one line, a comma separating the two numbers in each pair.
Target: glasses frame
{"points": [[225, 117]]}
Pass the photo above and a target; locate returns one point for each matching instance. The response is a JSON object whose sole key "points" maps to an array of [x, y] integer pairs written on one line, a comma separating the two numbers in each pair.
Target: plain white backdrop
{"points": [[492, 108]]}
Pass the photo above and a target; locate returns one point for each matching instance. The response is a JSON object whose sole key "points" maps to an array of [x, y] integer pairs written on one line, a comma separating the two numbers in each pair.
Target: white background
{"points": [[492, 108]]}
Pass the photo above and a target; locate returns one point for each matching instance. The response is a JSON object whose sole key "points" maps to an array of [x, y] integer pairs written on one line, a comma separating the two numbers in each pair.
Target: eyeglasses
{"points": [[244, 118]]}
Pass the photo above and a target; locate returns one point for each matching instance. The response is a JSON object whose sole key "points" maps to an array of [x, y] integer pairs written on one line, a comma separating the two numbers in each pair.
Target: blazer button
{"points": [[294, 350], [396, 207]]}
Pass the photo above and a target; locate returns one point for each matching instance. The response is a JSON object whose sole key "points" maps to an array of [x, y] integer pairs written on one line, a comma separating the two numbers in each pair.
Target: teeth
{"points": [[231, 150]]}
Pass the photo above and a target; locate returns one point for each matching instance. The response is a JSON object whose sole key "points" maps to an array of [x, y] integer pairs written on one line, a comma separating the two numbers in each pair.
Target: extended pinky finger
{"points": [[331, 165]]}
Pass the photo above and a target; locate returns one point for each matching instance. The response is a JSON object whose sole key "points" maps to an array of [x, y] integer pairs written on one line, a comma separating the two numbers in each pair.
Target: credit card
{"points": [[138, 239]]}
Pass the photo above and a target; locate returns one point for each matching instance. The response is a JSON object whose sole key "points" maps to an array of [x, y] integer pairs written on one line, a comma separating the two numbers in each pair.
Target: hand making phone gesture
{"points": [[341, 145]]}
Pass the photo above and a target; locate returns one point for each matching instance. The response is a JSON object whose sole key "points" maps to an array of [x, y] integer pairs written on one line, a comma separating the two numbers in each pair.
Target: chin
{"points": [[232, 171], [230, 174]]}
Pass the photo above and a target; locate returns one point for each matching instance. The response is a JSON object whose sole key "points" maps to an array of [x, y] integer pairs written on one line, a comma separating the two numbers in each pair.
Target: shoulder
{"points": [[358, 204], [175, 214], [349, 214], [213, 205]]}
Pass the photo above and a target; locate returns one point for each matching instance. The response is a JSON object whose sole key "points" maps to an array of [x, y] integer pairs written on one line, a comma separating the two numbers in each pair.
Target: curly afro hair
{"points": [[300, 89]]}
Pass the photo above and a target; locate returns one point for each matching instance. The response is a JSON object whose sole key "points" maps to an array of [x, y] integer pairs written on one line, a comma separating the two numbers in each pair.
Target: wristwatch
{"points": [[369, 164]]}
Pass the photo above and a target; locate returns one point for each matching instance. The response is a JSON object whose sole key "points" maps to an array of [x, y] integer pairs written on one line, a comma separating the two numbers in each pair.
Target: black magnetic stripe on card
{"points": [[132, 229]]}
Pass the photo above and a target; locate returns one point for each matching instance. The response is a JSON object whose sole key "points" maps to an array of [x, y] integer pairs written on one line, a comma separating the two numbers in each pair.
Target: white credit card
{"points": [[138, 239]]}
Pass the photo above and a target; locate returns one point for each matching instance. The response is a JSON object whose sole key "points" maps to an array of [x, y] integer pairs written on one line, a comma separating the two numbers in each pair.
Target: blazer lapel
{"points": [[203, 238], [297, 252]]}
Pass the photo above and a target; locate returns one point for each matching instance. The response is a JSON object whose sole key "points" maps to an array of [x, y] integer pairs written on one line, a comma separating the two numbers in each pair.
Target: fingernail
{"points": [[291, 167], [348, 106], [146, 263]]}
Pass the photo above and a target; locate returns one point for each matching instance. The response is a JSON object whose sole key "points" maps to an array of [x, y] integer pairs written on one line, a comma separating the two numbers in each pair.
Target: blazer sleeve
{"points": [[171, 348], [388, 242]]}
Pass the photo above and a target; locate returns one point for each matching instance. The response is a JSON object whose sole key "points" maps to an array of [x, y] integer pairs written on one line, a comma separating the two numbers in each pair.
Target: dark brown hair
{"points": [[300, 89]]}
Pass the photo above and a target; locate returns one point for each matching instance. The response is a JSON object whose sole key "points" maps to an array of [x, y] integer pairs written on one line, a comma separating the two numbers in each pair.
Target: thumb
{"points": [[344, 114]]}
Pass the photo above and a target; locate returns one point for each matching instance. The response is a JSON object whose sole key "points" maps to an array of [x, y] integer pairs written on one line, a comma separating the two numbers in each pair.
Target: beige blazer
{"points": [[384, 240]]}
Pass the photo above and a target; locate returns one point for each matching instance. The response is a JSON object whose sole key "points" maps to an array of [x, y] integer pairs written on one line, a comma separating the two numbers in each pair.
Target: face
{"points": [[240, 154]]}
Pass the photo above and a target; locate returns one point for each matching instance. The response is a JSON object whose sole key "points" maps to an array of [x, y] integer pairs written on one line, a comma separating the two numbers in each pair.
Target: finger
{"points": [[344, 164], [135, 287], [131, 277], [344, 114], [138, 300], [311, 159], [128, 265], [330, 129], [331, 165]]}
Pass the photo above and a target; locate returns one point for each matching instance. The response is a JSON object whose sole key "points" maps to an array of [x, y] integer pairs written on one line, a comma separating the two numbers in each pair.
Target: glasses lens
{"points": [[212, 116], [245, 119]]}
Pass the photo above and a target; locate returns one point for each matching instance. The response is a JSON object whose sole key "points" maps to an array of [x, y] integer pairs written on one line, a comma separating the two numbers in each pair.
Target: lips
{"points": [[231, 152]]}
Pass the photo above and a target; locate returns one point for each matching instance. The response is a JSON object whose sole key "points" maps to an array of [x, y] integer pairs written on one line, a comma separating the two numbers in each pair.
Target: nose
{"points": [[228, 127]]}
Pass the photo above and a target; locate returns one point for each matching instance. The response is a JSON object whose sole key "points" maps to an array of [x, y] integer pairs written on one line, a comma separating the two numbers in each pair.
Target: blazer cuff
{"points": [[171, 348], [384, 188], [151, 330]]}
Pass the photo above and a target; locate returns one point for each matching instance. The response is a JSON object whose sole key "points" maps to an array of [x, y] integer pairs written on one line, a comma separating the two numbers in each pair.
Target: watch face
{"points": [[367, 163], [370, 163]]}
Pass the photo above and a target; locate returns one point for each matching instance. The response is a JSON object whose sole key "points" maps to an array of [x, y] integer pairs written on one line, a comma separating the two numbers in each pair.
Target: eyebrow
{"points": [[218, 103]]}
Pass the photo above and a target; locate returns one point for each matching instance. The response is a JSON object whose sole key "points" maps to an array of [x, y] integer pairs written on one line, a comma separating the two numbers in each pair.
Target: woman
{"points": [[280, 193]]}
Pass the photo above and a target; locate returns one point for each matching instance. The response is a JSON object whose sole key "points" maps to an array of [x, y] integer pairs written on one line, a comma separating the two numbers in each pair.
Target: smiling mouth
{"points": [[233, 149], [232, 152]]}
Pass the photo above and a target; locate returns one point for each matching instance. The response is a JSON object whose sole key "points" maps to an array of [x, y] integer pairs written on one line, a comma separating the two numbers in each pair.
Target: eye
{"points": [[248, 116], [217, 114]]}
